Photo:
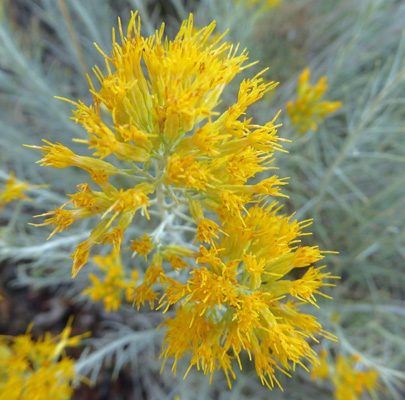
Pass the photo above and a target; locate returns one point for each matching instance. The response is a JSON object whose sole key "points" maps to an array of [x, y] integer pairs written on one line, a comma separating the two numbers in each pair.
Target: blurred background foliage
{"points": [[348, 176]]}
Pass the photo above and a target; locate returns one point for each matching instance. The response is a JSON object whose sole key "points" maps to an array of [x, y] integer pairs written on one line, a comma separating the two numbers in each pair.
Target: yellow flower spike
{"points": [[244, 165], [56, 155], [269, 186], [183, 103], [185, 171], [62, 218], [206, 139], [38, 369], [210, 257], [305, 256], [207, 230], [180, 338], [349, 381], [114, 238], [82, 252], [303, 82], [156, 113], [115, 285], [129, 200], [59, 156], [153, 275], [319, 89], [155, 272], [254, 317], [66, 340], [144, 293], [84, 197], [232, 205], [80, 256], [143, 246], [105, 140], [308, 110], [15, 189], [306, 287], [256, 270]]}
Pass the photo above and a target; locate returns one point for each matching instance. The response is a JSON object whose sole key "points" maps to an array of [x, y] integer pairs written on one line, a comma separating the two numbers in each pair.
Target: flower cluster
{"points": [[15, 190], [219, 253], [349, 381], [39, 369], [115, 284], [308, 109]]}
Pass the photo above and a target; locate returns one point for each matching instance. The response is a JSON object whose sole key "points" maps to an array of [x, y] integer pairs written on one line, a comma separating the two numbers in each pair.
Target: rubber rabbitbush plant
{"points": [[218, 251]]}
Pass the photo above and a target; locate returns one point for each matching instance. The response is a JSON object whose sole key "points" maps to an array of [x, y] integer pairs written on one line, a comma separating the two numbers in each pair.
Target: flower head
{"points": [[143, 246], [241, 288], [348, 377], [308, 109], [220, 254], [32, 369], [116, 283], [14, 190]]}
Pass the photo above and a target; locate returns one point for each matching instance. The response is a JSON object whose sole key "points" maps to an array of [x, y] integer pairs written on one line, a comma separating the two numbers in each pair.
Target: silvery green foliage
{"points": [[348, 175]]}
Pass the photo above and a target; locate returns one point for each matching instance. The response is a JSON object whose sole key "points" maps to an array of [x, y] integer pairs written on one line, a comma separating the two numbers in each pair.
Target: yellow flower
{"points": [[14, 190], [207, 230], [195, 173], [308, 109], [142, 246], [59, 156], [37, 369], [349, 381], [255, 269], [185, 171], [153, 275], [249, 305], [115, 285], [63, 218]]}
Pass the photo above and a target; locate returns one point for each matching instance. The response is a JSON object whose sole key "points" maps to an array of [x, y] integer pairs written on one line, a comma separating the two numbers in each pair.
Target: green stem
{"points": [[352, 137]]}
